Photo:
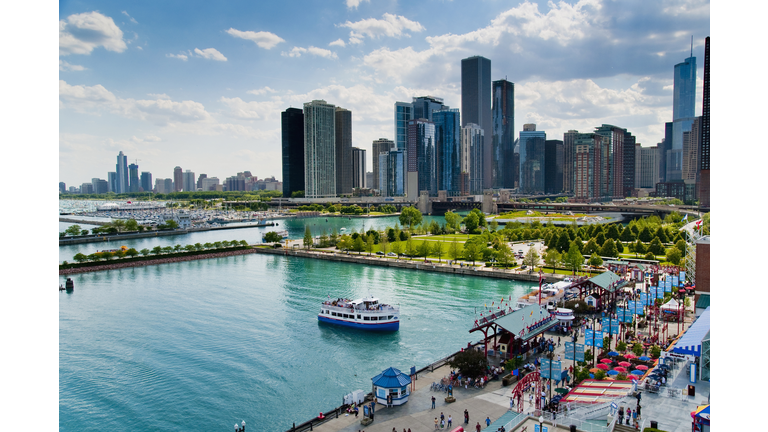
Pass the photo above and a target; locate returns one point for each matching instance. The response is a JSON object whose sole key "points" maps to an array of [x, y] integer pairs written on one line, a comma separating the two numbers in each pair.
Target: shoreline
{"points": [[121, 265]]}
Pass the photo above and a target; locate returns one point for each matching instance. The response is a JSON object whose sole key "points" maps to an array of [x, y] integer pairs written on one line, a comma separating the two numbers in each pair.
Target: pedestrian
{"points": [[442, 417], [621, 414], [558, 341], [487, 421], [373, 405], [450, 420], [511, 403], [436, 423], [477, 428], [433, 402], [466, 417], [629, 414]]}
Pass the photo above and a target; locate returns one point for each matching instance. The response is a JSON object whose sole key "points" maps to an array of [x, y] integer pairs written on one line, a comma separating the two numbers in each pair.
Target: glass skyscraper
{"points": [[472, 146], [292, 122], [421, 155], [476, 104], [503, 112], [424, 106], [448, 148], [531, 144], [319, 149], [403, 114], [683, 112], [122, 173]]}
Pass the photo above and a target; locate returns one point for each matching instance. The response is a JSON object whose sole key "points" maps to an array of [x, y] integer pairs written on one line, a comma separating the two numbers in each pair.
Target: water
{"points": [[295, 228], [200, 345]]}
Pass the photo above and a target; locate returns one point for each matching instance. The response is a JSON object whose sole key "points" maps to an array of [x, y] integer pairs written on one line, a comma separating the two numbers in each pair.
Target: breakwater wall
{"points": [[91, 238], [415, 265], [126, 264]]}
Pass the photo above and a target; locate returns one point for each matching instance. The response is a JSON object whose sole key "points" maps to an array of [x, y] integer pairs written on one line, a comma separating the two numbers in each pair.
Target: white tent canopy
{"points": [[672, 304]]}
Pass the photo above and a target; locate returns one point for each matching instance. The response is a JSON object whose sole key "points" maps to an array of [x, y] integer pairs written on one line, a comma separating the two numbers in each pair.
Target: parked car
{"points": [[391, 254], [523, 267], [379, 253]]}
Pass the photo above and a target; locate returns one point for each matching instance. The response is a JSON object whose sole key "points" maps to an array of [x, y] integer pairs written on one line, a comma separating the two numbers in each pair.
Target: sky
{"points": [[201, 85]]}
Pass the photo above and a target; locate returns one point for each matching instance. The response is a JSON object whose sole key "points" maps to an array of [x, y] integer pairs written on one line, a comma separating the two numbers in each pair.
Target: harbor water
{"points": [[200, 345]]}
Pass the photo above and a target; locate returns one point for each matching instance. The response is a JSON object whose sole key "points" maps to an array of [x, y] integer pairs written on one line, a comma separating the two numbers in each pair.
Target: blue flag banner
{"points": [[675, 281], [569, 348], [682, 276], [597, 335], [643, 299]]}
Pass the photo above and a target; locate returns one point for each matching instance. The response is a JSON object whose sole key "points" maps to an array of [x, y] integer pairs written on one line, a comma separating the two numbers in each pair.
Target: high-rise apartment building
{"points": [[211, 184], [503, 112], [683, 113], [178, 179], [691, 148], [476, 105], [587, 161], [424, 106], [392, 171], [614, 176], [133, 175], [646, 167], [703, 179], [358, 168], [112, 181], [568, 155], [188, 181], [99, 186], [200, 178], [319, 149], [553, 166], [403, 114], [86, 188], [472, 151], [628, 162], [422, 169], [292, 122], [62, 187], [343, 131], [448, 149], [146, 181], [122, 173], [382, 145], [531, 143]]}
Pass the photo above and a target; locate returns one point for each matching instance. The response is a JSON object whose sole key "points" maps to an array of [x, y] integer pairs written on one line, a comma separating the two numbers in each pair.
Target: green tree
{"points": [[131, 253], [645, 235], [157, 250], [661, 234], [656, 247], [591, 247], [106, 256], [574, 259], [437, 250], [454, 251], [410, 216], [410, 248], [505, 256], [609, 249], [494, 225], [384, 244], [189, 248], [345, 243], [72, 230], [423, 249], [208, 245], [307, 237], [79, 257], [600, 238], [177, 248], [681, 245], [472, 222], [392, 235], [563, 242], [613, 232], [595, 260], [169, 249], [531, 259], [369, 244], [358, 245], [650, 256], [674, 256], [627, 235], [470, 363], [171, 224], [472, 252], [639, 248], [397, 247], [552, 258], [131, 225], [199, 247], [84, 232], [145, 251], [272, 237]]}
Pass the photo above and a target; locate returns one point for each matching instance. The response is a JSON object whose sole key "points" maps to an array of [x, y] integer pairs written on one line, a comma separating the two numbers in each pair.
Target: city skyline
{"points": [[169, 91]]}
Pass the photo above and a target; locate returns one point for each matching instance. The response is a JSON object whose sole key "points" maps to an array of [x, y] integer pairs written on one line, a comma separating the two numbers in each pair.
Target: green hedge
{"points": [[147, 258]]}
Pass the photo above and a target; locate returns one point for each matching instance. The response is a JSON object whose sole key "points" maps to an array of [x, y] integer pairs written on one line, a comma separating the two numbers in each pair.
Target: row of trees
{"points": [[158, 250], [353, 209], [263, 195]]}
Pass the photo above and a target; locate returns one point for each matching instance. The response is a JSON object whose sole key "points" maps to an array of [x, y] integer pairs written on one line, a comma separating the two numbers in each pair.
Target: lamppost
{"points": [[541, 423]]}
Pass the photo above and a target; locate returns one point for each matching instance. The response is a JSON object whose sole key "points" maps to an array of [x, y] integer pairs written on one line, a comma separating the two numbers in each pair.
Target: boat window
{"points": [[333, 313], [374, 318], [358, 316], [366, 319], [390, 317]]}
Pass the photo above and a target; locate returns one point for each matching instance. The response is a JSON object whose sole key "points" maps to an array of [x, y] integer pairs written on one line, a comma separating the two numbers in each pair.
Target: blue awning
{"points": [[690, 343], [391, 378]]}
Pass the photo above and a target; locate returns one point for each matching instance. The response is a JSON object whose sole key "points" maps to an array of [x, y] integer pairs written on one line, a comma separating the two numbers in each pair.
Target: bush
{"points": [[471, 363]]}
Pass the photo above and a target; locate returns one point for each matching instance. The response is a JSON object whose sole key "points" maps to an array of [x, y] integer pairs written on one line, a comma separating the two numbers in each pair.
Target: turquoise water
{"points": [[295, 228], [200, 345]]}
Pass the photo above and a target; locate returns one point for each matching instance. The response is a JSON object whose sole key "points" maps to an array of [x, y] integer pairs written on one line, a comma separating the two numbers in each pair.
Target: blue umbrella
{"points": [[613, 353], [644, 358], [592, 376], [637, 372], [613, 372]]}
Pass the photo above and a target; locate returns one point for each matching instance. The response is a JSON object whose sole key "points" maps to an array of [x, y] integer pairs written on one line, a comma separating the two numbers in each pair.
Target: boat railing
{"points": [[348, 309]]}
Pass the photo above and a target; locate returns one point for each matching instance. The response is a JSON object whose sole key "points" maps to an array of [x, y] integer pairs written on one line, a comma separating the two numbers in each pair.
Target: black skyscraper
{"points": [[503, 134], [292, 121], [476, 105], [553, 166]]}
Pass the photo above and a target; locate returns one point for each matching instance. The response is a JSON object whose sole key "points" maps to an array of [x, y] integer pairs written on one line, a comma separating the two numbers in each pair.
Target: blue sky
{"points": [[201, 84]]}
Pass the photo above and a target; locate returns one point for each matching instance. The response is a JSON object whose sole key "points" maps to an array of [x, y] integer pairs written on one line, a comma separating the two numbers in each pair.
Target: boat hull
{"points": [[387, 326]]}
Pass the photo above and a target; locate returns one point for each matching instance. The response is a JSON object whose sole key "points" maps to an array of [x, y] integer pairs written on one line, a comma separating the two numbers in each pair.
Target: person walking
{"points": [[466, 417], [487, 421], [450, 420], [478, 427], [629, 414], [433, 402], [436, 423]]}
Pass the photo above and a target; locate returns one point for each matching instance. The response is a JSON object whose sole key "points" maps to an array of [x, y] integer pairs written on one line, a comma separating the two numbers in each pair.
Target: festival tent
{"points": [[672, 306], [690, 342]]}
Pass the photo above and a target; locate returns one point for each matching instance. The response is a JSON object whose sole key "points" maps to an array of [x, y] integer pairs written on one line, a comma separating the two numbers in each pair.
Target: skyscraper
{"points": [[628, 161], [553, 166], [343, 130], [292, 122], [703, 188], [403, 114], [381, 145], [587, 160], [503, 111], [472, 146], [476, 105], [424, 106], [112, 181], [358, 168], [62, 187], [646, 167], [448, 149], [422, 170], [200, 179], [319, 149], [133, 174], [568, 160], [178, 181], [531, 145], [683, 112], [188, 179], [395, 172], [614, 162], [146, 181], [122, 173]]}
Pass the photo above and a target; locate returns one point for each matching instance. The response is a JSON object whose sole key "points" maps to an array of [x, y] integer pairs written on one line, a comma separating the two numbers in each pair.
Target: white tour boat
{"points": [[366, 313]]}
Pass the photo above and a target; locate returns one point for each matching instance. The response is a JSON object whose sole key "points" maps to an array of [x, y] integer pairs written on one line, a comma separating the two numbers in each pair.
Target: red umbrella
{"points": [[620, 369], [642, 367], [634, 377], [605, 360], [625, 364], [603, 366], [630, 356]]}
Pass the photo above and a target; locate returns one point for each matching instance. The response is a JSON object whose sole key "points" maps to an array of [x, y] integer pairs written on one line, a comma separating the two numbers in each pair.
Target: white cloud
{"points": [[261, 91], [130, 17], [210, 54], [263, 39], [389, 26], [160, 111], [82, 33], [180, 56], [315, 51], [64, 66], [338, 42], [353, 4]]}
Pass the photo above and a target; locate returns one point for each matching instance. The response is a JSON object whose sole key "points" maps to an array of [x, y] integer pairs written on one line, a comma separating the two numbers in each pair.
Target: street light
{"points": [[541, 423]]}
